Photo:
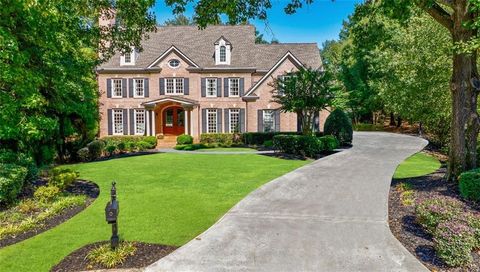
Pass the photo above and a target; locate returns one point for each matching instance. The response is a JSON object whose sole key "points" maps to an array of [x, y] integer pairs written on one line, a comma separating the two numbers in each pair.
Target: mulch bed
{"points": [[410, 234], [79, 187], [145, 255]]}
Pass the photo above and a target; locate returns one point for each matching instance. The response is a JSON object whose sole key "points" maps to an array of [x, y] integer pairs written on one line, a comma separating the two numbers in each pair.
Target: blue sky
{"points": [[318, 22]]}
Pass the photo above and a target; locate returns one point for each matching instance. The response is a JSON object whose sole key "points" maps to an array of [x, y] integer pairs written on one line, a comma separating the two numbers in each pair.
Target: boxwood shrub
{"points": [[184, 139], [12, 178], [258, 138], [469, 185], [125, 140], [223, 139], [304, 145], [95, 149]]}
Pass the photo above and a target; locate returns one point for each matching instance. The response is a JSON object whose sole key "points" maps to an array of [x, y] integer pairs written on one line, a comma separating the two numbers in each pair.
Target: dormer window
{"points": [[128, 58], [223, 50]]}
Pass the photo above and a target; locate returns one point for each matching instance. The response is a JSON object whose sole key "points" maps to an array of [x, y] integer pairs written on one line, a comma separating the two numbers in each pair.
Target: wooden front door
{"points": [[174, 121]]}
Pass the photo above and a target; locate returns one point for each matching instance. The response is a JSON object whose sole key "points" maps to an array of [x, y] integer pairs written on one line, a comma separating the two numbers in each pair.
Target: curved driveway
{"points": [[331, 215]]}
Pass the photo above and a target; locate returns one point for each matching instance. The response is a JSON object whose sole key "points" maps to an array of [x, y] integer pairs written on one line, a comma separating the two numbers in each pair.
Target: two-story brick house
{"points": [[192, 81]]}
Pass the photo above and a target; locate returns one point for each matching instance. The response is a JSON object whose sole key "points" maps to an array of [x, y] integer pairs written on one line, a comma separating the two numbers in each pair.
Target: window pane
{"points": [[234, 120], [117, 121], [268, 121], [169, 118], [169, 86], [117, 88], [139, 90], [179, 85], [180, 118], [234, 87], [212, 121], [140, 122], [223, 54], [128, 57], [211, 87]]}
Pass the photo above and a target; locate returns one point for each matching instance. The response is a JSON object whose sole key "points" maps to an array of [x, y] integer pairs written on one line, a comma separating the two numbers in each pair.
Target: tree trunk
{"points": [[392, 119], [399, 121], [464, 129]]}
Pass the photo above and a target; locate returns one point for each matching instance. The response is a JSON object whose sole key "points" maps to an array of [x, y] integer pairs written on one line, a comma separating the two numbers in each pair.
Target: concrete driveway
{"points": [[330, 215]]}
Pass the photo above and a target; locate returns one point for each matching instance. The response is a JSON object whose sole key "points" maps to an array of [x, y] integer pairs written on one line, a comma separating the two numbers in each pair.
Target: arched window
{"points": [[223, 53]]}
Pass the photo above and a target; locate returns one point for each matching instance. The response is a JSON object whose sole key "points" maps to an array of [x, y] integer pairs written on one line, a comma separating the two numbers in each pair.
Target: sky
{"points": [[317, 22]]}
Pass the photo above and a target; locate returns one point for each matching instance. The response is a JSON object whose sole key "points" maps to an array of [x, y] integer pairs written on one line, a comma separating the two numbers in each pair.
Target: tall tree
{"points": [[179, 20], [49, 51], [305, 92], [459, 17]]}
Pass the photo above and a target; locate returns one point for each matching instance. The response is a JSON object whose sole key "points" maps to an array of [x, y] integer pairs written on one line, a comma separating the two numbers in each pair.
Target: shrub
{"points": [[95, 149], [268, 143], [286, 143], [83, 154], [473, 222], [179, 147], [330, 143], [131, 146], [122, 147], [470, 185], [106, 257], [46, 194], [62, 177], [110, 149], [116, 140], [258, 138], [12, 178], [142, 146], [184, 139], [309, 146], [431, 212], [454, 242], [10, 157], [27, 206], [224, 139], [339, 125]]}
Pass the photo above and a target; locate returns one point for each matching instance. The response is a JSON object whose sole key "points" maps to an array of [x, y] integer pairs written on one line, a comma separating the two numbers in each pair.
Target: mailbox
{"points": [[111, 211]]}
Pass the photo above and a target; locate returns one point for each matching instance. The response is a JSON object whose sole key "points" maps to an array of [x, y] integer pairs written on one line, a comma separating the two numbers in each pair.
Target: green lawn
{"points": [[417, 165], [227, 149], [164, 198]]}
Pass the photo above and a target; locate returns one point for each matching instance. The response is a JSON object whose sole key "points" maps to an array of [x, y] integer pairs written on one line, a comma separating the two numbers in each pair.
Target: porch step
{"points": [[168, 141]]}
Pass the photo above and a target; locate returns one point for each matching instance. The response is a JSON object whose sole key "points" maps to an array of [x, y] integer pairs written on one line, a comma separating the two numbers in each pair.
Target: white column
{"points": [[153, 124], [187, 124]]}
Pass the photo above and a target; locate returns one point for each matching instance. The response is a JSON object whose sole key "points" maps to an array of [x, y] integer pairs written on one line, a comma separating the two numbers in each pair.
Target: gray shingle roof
{"points": [[198, 45]]}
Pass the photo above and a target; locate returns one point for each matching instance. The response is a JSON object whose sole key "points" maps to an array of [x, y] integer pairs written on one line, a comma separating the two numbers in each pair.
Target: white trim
{"points": [[135, 88], [228, 48], [112, 88], [236, 111], [288, 54], [216, 120], [230, 86], [178, 52], [169, 100], [135, 121], [175, 92], [133, 56]]}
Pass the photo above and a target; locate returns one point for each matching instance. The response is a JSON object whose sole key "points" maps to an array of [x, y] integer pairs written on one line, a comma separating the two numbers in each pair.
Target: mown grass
{"points": [[164, 198], [417, 165]]}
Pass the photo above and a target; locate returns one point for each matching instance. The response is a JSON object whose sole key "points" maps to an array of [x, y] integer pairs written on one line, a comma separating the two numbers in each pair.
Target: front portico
{"points": [[172, 116]]}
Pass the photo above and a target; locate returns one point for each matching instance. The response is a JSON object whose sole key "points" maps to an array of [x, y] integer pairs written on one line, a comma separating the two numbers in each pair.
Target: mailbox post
{"points": [[111, 213]]}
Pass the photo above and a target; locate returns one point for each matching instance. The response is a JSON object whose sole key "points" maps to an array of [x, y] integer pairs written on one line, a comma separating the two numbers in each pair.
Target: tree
{"points": [[179, 20], [305, 92], [48, 90], [459, 17]]}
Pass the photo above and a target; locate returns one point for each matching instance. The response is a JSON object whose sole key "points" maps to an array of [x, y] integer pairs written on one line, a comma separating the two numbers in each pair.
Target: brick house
{"points": [[195, 81]]}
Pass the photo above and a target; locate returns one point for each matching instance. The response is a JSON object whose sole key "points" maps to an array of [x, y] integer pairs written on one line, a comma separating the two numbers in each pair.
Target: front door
{"points": [[174, 121]]}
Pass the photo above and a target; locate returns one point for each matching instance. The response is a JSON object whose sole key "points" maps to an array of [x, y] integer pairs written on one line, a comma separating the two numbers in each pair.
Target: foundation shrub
{"points": [[184, 139], [12, 178], [454, 242], [469, 185]]}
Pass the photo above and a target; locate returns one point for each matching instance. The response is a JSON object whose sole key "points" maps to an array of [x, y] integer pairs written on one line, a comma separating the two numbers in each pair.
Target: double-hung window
{"points": [[117, 87], [268, 120], [281, 89], [211, 87], [117, 121], [139, 90], [211, 121], [223, 53], [128, 58], [233, 87], [174, 85], [139, 122], [234, 120]]}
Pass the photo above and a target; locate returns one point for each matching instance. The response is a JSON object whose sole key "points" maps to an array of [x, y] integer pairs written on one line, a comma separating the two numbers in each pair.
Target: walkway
{"points": [[330, 215]]}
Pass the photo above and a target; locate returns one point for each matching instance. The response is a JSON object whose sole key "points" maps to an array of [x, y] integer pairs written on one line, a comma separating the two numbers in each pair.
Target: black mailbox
{"points": [[111, 211]]}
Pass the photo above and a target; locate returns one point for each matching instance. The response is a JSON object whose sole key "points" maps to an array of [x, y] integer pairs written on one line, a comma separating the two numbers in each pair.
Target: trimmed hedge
{"points": [[469, 185], [12, 178], [115, 140], [304, 145], [339, 125], [190, 147], [184, 139], [367, 127], [258, 138], [223, 139]]}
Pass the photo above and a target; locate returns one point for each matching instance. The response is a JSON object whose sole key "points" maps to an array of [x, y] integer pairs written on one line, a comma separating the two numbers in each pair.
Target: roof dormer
{"points": [[129, 58], [223, 50]]}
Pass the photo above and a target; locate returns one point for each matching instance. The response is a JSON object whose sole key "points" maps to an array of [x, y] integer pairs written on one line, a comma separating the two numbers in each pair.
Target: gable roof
{"points": [[198, 46], [176, 51], [289, 56]]}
